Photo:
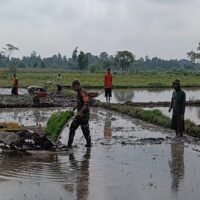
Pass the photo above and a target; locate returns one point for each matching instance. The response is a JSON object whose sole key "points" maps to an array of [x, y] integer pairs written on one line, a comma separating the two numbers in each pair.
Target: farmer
{"points": [[83, 115], [108, 85], [178, 102], [14, 90], [59, 83]]}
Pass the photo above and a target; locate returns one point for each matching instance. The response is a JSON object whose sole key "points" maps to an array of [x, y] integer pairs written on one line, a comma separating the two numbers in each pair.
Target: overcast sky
{"points": [[163, 28]]}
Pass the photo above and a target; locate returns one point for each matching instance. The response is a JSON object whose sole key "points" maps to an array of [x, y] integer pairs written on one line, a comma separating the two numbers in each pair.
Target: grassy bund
{"points": [[95, 80], [152, 116]]}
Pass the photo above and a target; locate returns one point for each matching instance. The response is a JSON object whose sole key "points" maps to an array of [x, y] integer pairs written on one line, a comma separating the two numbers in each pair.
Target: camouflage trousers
{"points": [[79, 121]]}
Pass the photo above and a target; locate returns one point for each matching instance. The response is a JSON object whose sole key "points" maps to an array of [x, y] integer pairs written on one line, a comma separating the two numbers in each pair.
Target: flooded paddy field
{"points": [[148, 95], [133, 95], [28, 116], [8, 91], [129, 159]]}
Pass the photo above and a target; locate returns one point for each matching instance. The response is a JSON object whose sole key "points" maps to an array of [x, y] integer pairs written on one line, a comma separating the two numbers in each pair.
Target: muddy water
{"points": [[192, 113], [129, 159], [147, 95]]}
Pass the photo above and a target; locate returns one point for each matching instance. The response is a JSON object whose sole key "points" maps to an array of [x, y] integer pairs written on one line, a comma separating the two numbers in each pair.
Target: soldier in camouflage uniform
{"points": [[83, 115], [178, 103]]}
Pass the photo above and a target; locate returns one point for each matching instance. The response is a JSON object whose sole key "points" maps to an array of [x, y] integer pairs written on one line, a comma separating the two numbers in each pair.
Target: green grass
{"points": [[152, 116], [56, 123], [29, 77]]}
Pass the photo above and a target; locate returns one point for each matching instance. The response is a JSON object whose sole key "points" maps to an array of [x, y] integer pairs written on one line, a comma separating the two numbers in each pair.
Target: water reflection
{"points": [[123, 95], [177, 164], [82, 174], [33, 167], [8, 91], [28, 116], [148, 95], [107, 126]]}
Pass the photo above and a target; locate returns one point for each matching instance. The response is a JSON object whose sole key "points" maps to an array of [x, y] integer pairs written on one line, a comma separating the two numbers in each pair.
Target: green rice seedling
{"points": [[56, 123]]}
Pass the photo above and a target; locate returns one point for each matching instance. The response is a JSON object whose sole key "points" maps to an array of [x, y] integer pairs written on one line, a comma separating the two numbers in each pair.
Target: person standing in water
{"points": [[178, 103], [83, 115], [108, 85]]}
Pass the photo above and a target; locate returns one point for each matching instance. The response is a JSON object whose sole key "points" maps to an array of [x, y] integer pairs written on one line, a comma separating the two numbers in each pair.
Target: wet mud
{"points": [[26, 100], [129, 159]]}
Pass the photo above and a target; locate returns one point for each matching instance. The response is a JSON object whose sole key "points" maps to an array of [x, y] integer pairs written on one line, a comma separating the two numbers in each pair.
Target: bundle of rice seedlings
{"points": [[56, 123]]}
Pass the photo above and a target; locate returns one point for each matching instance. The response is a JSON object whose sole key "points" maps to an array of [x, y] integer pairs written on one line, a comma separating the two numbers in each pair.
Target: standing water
{"points": [[147, 95], [129, 159]]}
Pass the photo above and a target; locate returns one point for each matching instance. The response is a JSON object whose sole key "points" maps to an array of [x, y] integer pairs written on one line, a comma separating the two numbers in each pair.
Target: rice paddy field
{"points": [[29, 77]]}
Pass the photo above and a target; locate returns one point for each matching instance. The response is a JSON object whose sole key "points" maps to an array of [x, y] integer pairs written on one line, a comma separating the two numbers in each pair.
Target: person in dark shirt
{"points": [[178, 103], [83, 115]]}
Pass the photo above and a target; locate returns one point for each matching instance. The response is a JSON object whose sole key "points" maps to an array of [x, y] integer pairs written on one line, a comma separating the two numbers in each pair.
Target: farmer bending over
{"points": [[83, 115]]}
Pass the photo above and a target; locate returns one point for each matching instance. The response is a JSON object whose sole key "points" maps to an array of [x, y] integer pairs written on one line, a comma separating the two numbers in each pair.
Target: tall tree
{"points": [[9, 49], [74, 54], [103, 55], [82, 60], [194, 55], [124, 59]]}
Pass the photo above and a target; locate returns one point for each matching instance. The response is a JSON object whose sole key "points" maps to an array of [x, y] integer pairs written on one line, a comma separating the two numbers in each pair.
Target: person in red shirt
{"points": [[108, 85]]}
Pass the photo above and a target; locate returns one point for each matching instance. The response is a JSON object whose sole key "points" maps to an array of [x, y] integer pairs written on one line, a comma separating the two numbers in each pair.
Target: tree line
{"points": [[123, 61]]}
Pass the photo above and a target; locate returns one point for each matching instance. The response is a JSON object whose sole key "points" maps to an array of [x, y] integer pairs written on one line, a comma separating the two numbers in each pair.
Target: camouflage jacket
{"points": [[83, 99]]}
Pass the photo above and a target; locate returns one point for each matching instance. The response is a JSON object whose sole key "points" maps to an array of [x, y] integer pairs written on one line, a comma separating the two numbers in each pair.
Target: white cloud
{"points": [[167, 29]]}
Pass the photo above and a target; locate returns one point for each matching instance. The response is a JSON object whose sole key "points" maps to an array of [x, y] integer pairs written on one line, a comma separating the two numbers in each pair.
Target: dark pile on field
{"points": [[21, 101]]}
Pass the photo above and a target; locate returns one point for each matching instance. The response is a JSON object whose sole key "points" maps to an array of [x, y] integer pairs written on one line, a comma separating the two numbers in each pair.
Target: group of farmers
{"points": [[178, 103]]}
